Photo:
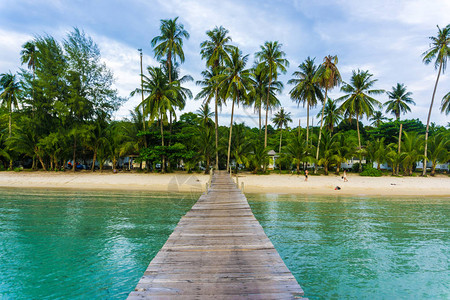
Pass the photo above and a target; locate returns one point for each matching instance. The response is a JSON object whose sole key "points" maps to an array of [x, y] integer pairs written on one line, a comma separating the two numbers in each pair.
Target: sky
{"points": [[385, 37]]}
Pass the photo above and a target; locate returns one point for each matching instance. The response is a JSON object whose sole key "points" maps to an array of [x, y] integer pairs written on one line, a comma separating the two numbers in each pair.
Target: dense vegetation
{"points": [[59, 108]]}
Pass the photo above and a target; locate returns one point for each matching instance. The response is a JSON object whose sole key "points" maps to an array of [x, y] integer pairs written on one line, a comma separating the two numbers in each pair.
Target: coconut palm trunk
{"points": [[94, 159], [163, 165], [260, 117], [399, 146], [424, 172], [216, 117], [307, 125], [267, 115], [320, 131], [359, 142], [229, 138], [74, 153]]}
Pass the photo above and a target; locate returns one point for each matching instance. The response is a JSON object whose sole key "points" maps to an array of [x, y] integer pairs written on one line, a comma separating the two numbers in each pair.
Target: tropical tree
{"points": [[412, 148], [271, 60], [162, 94], [332, 115], [327, 76], [9, 94], [170, 43], [215, 51], [345, 147], [445, 104], [358, 101], [377, 118], [437, 150], [281, 119], [398, 103], [305, 89], [439, 50], [235, 82], [205, 114], [377, 151], [28, 56], [328, 155], [297, 150], [260, 89]]}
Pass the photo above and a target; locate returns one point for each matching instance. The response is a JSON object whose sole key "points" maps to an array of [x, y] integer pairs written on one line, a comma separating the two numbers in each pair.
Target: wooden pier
{"points": [[218, 251]]}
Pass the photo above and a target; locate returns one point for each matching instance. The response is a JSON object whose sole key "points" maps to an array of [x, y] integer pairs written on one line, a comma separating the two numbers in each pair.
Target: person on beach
{"points": [[345, 176], [306, 175]]}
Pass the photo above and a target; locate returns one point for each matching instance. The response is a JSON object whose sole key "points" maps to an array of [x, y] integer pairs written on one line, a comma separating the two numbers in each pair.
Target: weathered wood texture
{"points": [[218, 251]]}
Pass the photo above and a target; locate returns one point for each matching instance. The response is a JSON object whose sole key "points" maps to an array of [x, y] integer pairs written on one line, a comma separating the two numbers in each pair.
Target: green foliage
{"points": [[371, 172]]}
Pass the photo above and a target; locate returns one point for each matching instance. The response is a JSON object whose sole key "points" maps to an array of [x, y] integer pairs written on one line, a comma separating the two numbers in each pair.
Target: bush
{"points": [[371, 172], [17, 169]]}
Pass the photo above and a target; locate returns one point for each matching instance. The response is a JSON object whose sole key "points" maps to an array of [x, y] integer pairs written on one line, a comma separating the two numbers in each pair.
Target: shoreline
{"points": [[266, 184]]}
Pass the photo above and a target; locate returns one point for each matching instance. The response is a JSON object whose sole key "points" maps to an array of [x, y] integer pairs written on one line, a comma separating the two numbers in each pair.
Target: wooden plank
{"points": [[218, 250]]}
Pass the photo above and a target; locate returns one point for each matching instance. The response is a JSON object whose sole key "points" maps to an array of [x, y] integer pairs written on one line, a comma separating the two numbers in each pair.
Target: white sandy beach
{"points": [[274, 183]]}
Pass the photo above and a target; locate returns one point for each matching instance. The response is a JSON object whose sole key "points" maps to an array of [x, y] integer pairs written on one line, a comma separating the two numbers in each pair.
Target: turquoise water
{"points": [[96, 245], [81, 244], [359, 247]]}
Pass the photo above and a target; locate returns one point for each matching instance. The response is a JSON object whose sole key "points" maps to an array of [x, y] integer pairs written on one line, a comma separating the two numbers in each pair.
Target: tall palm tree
{"points": [[205, 114], [9, 89], [215, 51], [445, 104], [235, 82], [398, 103], [162, 95], [331, 115], [270, 61], [281, 119], [439, 49], [28, 56], [377, 118], [305, 90], [170, 43], [358, 101], [327, 76], [260, 89]]}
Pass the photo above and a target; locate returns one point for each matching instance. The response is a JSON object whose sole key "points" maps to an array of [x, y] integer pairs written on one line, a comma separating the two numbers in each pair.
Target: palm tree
{"points": [[412, 147], [327, 76], [344, 151], [260, 88], [162, 95], [357, 102], [305, 90], [281, 119], [398, 103], [445, 104], [328, 147], [377, 151], [9, 89], [437, 152], [235, 82], [28, 56], [332, 115], [271, 59], [377, 118], [439, 49], [170, 43], [205, 114], [297, 150], [215, 51]]}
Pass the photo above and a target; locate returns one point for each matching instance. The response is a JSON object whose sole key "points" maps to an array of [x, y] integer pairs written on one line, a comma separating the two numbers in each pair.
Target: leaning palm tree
{"points": [[445, 104], [169, 44], [398, 103], [215, 51], [358, 101], [270, 61], [327, 76], [305, 90], [281, 119], [439, 49], [235, 82]]}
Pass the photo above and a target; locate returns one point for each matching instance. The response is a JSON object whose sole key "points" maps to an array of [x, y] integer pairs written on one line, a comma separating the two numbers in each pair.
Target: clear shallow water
{"points": [[361, 248], [81, 244]]}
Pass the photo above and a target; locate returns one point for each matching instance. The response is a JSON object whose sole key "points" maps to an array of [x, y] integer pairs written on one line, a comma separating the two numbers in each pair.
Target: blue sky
{"points": [[385, 37]]}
